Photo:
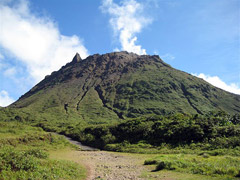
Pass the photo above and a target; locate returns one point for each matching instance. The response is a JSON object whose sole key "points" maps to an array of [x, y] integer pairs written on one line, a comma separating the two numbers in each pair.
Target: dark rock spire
{"points": [[76, 58]]}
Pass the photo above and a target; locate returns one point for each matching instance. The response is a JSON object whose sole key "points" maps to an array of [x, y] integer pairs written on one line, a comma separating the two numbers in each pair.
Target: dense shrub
{"points": [[165, 165], [13, 160], [150, 162], [37, 153], [215, 130]]}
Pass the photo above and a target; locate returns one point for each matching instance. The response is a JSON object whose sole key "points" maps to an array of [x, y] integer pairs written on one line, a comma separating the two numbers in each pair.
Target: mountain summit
{"points": [[76, 58], [119, 85]]}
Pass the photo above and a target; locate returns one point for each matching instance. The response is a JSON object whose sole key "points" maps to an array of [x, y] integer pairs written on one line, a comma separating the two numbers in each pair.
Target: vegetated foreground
{"points": [[24, 154], [25, 150], [186, 147]]}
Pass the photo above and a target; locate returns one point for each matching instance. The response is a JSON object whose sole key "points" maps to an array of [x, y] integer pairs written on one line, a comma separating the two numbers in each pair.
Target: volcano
{"points": [[121, 85]]}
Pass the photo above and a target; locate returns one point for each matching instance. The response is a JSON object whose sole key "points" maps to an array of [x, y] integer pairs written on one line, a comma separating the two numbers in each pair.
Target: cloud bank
{"points": [[216, 81], [34, 41], [126, 20], [5, 99]]}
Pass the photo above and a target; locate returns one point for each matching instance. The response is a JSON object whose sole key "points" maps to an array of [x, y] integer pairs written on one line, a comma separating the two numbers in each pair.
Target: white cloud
{"points": [[127, 20], [10, 72], [35, 41], [216, 81], [168, 57], [5, 100]]}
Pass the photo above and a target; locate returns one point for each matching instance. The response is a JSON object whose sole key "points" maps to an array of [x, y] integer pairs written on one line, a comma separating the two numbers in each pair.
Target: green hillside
{"points": [[120, 85]]}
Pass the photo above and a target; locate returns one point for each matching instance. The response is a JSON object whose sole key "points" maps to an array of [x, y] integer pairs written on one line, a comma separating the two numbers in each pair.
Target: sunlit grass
{"points": [[24, 152], [225, 166]]}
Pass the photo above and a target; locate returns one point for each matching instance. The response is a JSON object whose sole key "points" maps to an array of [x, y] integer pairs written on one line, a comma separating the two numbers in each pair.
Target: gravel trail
{"points": [[111, 166], [104, 165]]}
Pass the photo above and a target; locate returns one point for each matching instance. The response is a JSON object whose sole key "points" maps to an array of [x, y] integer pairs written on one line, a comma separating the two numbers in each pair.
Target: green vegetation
{"points": [[18, 134], [33, 164], [24, 154], [151, 133], [209, 132], [198, 164], [206, 145], [198, 144]]}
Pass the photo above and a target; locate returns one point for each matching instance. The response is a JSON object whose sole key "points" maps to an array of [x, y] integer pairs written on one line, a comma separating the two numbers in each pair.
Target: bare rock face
{"points": [[119, 85], [76, 58]]}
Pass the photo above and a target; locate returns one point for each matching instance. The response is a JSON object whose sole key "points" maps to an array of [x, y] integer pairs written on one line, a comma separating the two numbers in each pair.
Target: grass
{"points": [[17, 129], [24, 154], [173, 175], [144, 148], [221, 166], [22, 164]]}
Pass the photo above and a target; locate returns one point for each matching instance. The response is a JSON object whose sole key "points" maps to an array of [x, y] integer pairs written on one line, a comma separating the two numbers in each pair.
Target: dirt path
{"points": [[111, 166], [104, 165], [82, 147], [108, 165]]}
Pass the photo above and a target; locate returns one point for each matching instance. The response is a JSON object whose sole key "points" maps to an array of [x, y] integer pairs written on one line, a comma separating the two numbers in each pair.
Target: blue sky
{"points": [[38, 37]]}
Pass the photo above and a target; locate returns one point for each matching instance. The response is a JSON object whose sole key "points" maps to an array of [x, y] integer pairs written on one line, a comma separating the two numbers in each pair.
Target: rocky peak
{"points": [[122, 55], [76, 58]]}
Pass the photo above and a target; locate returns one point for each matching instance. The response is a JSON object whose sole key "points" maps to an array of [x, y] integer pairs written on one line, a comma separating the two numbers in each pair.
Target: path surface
{"points": [[83, 147], [111, 166], [108, 165]]}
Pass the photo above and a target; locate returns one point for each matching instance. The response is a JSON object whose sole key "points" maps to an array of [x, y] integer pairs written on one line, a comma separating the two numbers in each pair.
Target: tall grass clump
{"points": [[34, 164], [212, 165]]}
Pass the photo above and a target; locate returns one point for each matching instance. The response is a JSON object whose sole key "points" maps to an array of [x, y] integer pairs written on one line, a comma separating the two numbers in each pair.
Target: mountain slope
{"points": [[117, 85]]}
